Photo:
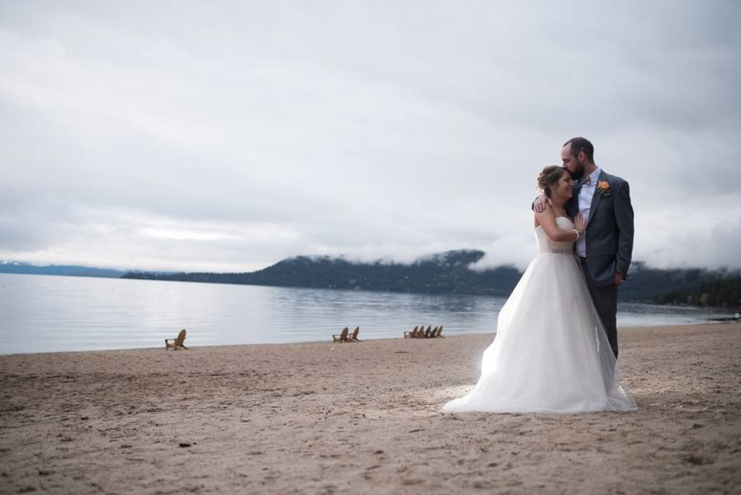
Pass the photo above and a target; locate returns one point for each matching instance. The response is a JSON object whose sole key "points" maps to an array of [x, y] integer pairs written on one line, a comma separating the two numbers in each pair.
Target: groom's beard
{"points": [[578, 173]]}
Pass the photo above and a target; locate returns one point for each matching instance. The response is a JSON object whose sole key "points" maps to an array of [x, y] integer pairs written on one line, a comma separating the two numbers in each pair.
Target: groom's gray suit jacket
{"points": [[609, 230]]}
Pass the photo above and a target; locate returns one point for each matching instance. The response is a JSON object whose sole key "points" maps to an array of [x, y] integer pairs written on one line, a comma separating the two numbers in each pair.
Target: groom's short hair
{"points": [[581, 144]]}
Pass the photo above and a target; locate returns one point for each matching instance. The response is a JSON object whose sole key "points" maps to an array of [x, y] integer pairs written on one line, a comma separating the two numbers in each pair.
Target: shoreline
{"points": [[363, 418], [326, 340]]}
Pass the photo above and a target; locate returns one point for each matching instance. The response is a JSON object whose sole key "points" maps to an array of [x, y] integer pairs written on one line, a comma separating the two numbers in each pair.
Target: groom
{"points": [[606, 247]]}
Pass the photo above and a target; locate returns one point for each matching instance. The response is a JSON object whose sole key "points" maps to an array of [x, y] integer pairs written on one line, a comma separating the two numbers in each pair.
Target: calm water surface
{"points": [[49, 314]]}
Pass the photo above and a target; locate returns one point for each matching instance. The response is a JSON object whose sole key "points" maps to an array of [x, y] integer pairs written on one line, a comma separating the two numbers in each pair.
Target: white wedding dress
{"points": [[550, 353]]}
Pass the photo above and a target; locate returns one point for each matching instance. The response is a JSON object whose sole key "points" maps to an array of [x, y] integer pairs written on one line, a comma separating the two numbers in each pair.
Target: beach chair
{"points": [[412, 334], [342, 337], [439, 332], [177, 343], [428, 332], [354, 336]]}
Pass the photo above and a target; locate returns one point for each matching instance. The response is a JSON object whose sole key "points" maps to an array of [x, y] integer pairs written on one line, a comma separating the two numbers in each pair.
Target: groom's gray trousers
{"points": [[605, 301]]}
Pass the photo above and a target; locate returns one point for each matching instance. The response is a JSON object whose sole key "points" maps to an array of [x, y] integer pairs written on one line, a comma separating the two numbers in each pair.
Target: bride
{"points": [[551, 353]]}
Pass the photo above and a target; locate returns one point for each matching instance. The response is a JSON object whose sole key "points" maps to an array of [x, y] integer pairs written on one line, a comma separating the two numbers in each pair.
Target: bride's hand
{"points": [[580, 223]]}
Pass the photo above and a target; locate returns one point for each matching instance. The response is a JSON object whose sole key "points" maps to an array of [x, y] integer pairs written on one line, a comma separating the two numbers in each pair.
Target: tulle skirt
{"points": [[550, 353]]}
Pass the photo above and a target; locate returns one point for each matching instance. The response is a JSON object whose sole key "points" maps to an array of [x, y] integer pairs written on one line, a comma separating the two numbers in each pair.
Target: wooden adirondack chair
{"points": [[440, 332], [342, 337], [428, 332], [177, 344], [412, 334], [354, 336]]}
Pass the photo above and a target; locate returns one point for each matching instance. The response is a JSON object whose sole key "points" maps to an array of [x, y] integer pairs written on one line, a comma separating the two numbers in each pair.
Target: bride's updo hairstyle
{"points": [[549, 176]]}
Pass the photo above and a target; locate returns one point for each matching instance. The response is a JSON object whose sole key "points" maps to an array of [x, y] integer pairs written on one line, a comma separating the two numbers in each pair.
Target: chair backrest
{"points": [[343, 334], [181, 338], [355, 333], [440, 331]]}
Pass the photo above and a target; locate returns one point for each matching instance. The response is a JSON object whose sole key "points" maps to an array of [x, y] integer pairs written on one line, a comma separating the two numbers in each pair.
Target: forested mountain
{"points": [[445, 273], [450, 273], [694, 286]]}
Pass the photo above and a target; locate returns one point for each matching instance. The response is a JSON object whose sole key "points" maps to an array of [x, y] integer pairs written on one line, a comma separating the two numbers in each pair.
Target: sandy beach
{"points": [[363, 418]]}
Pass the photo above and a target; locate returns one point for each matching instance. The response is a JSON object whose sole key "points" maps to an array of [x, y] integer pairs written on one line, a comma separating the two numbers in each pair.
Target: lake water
{"points": [[50, 314]]}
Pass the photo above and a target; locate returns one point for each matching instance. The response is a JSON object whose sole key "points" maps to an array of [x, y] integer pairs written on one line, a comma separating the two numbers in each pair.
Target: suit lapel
{"points": [[596, 198]]}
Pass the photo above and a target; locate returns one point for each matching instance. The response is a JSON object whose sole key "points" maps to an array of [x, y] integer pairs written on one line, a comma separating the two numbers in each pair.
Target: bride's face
{"points": [[565, 186]]}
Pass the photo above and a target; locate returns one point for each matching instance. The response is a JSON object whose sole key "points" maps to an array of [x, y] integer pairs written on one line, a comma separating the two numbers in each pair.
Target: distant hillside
{"points": [[445, 273], [720, 288], [450, 273], [60, 270]]}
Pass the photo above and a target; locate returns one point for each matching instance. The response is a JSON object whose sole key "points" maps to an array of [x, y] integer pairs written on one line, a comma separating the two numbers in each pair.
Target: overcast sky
{"points": [[226, 136]]}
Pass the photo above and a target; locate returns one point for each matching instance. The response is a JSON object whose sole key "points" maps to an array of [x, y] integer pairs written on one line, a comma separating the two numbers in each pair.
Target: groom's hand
{"points": [[538, 205], [619, 278]]}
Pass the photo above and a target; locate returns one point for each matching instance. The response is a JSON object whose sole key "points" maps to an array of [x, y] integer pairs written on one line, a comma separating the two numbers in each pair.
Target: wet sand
{"points": [[363, 418]]}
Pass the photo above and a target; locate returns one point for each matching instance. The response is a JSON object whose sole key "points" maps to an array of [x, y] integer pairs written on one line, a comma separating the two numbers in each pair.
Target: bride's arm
{"points": [[547, 220]]}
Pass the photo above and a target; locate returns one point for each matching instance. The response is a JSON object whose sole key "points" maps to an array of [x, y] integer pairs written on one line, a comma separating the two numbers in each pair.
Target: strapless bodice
{"points": [[546, 245]]}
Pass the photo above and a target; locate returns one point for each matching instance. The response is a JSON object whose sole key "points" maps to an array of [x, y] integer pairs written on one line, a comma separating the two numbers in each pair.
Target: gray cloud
{"points": [[192, 136]]}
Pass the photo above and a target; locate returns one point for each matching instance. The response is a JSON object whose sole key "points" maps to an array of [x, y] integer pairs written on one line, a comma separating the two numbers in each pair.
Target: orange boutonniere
{"points": [[603, 187]]}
